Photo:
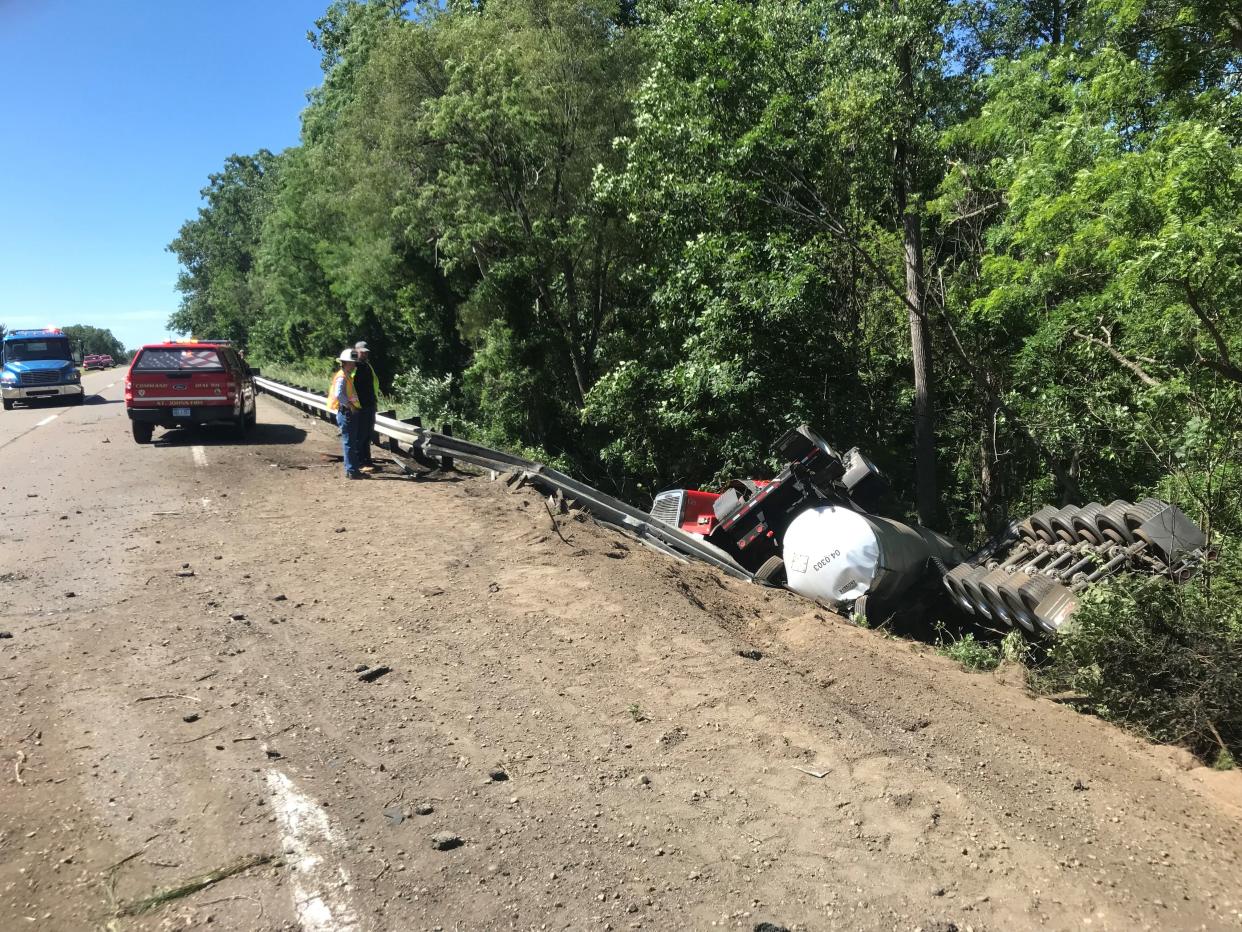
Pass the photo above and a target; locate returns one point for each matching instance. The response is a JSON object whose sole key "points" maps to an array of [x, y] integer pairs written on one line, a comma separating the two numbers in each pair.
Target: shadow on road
{"points": [[224, 436], [55, 401]]}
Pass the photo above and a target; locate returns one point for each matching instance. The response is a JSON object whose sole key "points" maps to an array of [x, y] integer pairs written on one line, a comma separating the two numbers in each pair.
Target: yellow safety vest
{"points": [[350, 392]]}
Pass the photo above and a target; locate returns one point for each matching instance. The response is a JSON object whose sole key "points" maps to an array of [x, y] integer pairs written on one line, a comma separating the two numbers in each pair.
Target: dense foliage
{"points": [[996, 243]]}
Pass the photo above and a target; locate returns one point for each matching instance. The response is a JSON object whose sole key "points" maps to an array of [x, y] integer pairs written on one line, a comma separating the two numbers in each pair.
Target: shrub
{"points": [[426, 396], [1163, 659]]}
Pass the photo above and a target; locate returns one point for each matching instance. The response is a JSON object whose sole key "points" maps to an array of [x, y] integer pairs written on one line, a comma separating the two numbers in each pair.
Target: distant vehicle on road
{"points": [[180, 384], [93, 362], [107, 361], [38, 364]]}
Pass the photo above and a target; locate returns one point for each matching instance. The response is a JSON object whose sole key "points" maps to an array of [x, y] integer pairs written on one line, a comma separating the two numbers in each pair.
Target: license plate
{"points": [[181, 412]]}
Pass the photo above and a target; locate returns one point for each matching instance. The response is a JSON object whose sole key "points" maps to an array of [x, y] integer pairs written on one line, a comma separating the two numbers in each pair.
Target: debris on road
{"points": [[394, 815], [191, 718], [370, 676], [424, 809], [238, 616], [193, 885], [497, 775], [5, 635], [750, 654], [445, 841], [817, 774]]}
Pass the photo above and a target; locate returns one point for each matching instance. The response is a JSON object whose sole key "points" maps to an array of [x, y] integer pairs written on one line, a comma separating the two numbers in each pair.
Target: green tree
{"points": [[776, 172], [217, 250], [1097, 202], [94, 341]]}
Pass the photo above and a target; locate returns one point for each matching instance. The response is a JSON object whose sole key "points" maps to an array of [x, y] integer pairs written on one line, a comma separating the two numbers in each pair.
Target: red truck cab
{"points": [[180, 384]]}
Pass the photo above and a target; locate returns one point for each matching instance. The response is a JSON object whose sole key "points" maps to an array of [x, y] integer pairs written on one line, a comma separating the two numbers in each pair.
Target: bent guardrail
{"points": [[424, 445]]}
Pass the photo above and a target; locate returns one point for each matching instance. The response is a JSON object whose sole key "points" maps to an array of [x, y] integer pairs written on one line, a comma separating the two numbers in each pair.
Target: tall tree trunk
{"points": [[926, 494]]}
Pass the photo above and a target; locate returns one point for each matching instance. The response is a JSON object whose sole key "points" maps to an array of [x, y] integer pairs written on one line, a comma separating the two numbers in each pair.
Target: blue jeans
{"points": [[347, 421]]}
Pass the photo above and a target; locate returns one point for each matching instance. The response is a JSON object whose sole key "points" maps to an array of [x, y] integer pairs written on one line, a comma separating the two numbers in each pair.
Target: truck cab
{"points": [[38, 364]]}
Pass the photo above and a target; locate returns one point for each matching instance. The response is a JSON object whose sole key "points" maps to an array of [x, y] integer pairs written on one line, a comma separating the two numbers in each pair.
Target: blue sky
{"points": [[113, 116]]}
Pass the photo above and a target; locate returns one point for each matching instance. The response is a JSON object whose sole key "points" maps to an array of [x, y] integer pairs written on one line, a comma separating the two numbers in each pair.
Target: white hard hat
{"points": [[348, 355], [361, 346]]}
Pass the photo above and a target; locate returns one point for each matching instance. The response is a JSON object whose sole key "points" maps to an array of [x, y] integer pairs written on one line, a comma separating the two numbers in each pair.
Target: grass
{"points": [[971, 653], [316, 379], [982, 656]]}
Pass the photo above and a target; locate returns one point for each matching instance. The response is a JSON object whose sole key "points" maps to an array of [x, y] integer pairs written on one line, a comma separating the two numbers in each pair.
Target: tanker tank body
{"points": [[836, 556]]}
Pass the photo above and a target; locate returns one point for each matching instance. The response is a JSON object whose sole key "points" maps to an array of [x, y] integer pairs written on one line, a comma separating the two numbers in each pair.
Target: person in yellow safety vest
{"points": [[367, 383], [343, 401]]}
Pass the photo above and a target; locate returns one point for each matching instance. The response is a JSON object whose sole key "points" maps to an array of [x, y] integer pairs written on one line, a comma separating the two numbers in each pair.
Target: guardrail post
{"points": [[446, 462], [415, 453]]}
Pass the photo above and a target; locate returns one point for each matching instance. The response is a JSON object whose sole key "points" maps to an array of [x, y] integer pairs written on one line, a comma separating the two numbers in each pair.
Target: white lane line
{"points": [[47, 420], [320, 889], [110, 385], [200, 455]]}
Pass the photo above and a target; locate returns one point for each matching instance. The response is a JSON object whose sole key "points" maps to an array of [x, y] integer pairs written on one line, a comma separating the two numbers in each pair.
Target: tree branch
{"points": [[1224, 363], [1139, 372]]}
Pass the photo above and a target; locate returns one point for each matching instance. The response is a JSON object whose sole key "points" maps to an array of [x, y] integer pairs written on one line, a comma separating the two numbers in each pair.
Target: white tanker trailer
{"points": [[813, 529]]}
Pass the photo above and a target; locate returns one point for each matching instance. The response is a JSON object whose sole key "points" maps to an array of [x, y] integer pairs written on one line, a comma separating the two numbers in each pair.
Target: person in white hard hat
{"points": [[343, 400], [367, 384]]}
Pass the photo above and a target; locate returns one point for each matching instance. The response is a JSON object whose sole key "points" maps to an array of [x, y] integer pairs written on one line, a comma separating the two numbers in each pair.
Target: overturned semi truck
{"points": [[814, 528]]}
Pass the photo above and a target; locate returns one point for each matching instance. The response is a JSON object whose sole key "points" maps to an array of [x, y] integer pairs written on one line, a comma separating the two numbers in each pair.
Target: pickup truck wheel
{"points": [[8, 404], [241, 424], [252, 419], [142, 432]]}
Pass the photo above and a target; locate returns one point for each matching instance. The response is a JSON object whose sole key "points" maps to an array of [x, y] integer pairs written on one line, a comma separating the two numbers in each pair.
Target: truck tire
{"points": [[79, 399], [772, 573], [8, 404], [241, 424], [142, 432]]}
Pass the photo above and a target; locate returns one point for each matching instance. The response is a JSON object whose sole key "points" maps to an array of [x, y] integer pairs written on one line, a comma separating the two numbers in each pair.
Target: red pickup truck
{"points": [[182, 384]]}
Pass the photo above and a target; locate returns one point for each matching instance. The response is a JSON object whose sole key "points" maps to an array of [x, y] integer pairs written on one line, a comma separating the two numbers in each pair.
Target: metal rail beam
{"points": [[604, 507]]}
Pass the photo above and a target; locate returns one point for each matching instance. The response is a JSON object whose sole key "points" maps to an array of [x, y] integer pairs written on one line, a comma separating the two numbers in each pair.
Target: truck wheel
{"points": [[252, 419], [142, 432], [241, 424], [8, 404], [772, 573], [79, 399]]}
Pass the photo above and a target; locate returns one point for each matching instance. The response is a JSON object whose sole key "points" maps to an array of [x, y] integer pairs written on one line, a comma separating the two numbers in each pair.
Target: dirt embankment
{"points": [[576, 713]]}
